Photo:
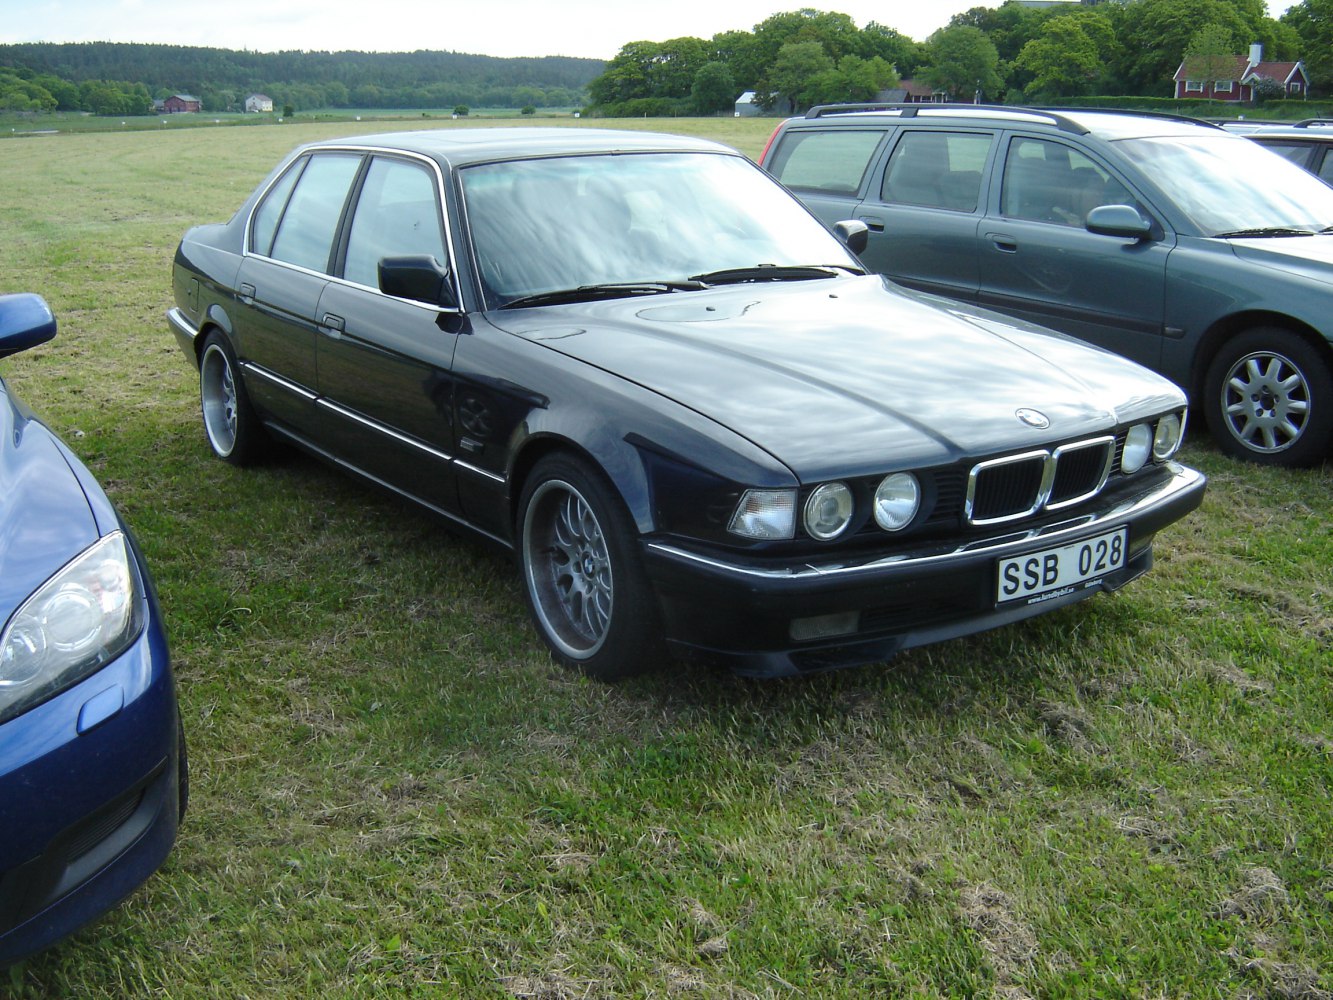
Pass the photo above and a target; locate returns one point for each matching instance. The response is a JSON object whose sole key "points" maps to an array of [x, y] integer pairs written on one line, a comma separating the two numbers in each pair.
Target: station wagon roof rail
{"points": [[1059, 117]]}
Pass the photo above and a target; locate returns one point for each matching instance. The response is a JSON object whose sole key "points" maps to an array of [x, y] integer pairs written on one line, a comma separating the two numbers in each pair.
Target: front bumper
{"points": [[745, 610], [89, 796]]}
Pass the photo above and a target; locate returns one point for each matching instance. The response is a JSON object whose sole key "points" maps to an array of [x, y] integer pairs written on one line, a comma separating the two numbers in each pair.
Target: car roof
{"points": [[1107, 124], [460, 146]]}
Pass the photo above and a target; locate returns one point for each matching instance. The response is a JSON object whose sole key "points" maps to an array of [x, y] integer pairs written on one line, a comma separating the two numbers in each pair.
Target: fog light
{"points": [[897, 500], [828, 511], [1138, 446], [1166, 442], [825, 626], [765, 514]]}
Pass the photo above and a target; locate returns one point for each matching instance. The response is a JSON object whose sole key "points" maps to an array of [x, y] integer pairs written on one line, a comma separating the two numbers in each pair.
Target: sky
{"points": [[594, 29]]}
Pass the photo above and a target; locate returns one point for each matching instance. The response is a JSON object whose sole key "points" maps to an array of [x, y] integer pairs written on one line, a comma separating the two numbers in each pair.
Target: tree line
{"points": [[44, 76], [1010, 53]]}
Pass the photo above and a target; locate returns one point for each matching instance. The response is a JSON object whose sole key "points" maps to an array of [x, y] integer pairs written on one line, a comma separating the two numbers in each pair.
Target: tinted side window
{"points": [[1051, 182], [305, 234], [1297, 152], [1326, 168], [269, 213], [833, 161], [396, 215], [937, 170]]}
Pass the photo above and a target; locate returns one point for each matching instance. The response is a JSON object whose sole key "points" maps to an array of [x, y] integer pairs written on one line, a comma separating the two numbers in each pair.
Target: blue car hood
{"points": [[45, 516], [830, 375]]}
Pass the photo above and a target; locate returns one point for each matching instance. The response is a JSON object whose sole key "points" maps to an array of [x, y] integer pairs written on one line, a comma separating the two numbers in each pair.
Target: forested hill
{"points": [[374, 76]]}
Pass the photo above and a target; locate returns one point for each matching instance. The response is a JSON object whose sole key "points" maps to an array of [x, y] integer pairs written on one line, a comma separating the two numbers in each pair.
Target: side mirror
{"points": [[854, 234], [25, 321], [420, 278], [1123, 221]]}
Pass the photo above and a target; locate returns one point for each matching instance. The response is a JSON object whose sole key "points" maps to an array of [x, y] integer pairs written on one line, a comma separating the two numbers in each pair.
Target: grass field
{"points": [[395, 793]]}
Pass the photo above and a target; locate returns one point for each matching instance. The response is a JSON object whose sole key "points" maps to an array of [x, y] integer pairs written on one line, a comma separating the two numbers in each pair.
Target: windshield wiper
{"points": [[607, 290], [1263, 231], [770, 272]]}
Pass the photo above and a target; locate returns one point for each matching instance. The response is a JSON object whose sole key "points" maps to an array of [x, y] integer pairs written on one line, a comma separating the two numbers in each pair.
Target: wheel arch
{"points": [[630, 484], [1230, 326]]}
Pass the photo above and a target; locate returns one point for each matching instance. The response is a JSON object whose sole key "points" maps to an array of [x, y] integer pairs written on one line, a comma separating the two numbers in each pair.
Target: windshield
{"points": [[550, 225], [1225, 184]]}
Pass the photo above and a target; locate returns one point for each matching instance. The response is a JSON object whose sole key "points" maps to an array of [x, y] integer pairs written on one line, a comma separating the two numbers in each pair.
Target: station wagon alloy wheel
{"points": [[1271, 398]]}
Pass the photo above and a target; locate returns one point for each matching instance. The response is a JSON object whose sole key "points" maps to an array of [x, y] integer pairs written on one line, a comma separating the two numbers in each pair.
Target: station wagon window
{"points": [[306, 230], [1050, 182], [396, 215], [937, 170], [834, 162]]}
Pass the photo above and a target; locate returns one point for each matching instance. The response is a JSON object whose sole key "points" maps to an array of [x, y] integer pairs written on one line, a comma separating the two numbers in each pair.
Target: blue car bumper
{"points": [[91, 786]]}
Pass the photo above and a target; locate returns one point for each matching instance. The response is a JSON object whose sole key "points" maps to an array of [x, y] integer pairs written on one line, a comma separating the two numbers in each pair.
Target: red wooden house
{"points": [[1237, 83]]}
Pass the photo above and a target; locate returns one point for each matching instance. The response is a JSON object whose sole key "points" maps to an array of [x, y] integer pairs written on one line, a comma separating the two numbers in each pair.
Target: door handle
{"points": [[1003, 243], [247, 292], [874, 224], [331, 325]]}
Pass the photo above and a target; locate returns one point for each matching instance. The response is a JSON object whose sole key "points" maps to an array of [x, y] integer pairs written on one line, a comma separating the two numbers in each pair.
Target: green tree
{"points": [[1062, 61], [714, 89], [963, 62], [1312, 21], [793, 71], [1154, 35], [1211, 54]]}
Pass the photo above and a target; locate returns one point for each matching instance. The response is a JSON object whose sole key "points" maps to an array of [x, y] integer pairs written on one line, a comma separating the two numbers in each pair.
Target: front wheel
{"points": [[587, 590], [1269, 398], [234, 432]]}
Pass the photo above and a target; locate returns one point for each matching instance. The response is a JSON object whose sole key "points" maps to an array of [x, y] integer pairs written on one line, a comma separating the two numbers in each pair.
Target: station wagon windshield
{"points": [[643, 222], [1229, 188]]}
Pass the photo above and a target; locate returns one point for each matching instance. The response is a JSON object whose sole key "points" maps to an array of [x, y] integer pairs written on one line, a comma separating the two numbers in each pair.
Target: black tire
{"points": [[585, 585], [233, 431], [1268, 398]]}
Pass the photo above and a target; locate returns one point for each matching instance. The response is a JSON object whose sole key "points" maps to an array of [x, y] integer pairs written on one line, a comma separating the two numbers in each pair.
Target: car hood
{"points": [[1310, 255], [840, 376], [45, 517]]}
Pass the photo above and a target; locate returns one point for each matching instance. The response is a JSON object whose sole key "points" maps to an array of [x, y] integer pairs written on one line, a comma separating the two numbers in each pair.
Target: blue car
{"points": [[93, 776]]}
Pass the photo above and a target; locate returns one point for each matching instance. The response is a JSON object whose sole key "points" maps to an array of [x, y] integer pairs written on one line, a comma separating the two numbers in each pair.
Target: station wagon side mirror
{"points": [[1123, 221], [25, 321], [420, 278], [854, 234]]}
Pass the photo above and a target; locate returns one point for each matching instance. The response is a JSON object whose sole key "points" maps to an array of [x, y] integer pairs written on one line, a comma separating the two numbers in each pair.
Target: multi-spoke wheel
{"points": [[1269, 398], [588, 592], [234, 433]]}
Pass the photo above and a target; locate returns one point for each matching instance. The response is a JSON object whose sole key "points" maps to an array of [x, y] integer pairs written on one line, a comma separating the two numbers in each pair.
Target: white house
{"points": [[258, 102]]}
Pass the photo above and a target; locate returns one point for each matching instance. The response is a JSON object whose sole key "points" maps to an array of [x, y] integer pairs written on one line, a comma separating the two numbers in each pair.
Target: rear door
{"points": [[924, 206], [291, 244]]}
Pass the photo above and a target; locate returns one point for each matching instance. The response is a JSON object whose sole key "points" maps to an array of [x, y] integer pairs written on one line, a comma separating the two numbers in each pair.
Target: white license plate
{"points": [[1053, 572]]}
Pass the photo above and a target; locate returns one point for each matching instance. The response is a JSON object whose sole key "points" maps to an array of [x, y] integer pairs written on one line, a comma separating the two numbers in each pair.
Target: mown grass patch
{"points": [[396, 792]]}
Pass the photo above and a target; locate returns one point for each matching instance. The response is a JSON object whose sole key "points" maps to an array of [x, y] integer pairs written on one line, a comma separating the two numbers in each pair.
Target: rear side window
{"points": [[937, 170], [396, 215], [834, 162], [1297, 152], [310, 220]]}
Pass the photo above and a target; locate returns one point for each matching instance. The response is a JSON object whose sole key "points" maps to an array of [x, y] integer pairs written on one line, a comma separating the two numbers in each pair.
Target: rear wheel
{"points": [[1269, 398], [587, 590], [234, 432]]}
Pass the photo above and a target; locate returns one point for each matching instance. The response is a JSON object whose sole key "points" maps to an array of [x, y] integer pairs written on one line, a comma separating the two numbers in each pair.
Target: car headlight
{"points": [[1138, 446], [828, 511], [79, 620], [765, 515], [897, 499], [1168, 437]]}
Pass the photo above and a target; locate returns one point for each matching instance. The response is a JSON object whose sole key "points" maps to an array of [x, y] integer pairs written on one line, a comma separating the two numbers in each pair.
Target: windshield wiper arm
{"points": [[1264, 231], [770, 272], [607, 290]]}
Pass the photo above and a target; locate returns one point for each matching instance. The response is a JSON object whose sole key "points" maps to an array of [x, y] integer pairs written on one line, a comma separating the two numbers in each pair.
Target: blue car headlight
{"points": [[80, 619]]}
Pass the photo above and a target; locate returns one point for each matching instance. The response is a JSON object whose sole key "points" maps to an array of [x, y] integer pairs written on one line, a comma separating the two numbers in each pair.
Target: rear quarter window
{"points": [[834, 162]]}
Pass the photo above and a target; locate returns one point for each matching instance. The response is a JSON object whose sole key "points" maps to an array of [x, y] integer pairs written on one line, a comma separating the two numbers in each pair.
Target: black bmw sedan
{"points": [[641, 365]]}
